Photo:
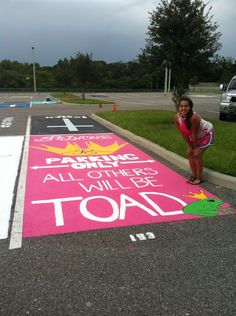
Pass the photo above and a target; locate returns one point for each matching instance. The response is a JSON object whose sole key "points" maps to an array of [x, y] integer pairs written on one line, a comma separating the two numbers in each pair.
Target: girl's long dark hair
{"points": [[190, 113]]}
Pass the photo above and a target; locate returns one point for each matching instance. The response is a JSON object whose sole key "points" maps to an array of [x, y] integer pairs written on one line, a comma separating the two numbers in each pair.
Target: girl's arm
{"points": [[185, 137], [195, 120]]}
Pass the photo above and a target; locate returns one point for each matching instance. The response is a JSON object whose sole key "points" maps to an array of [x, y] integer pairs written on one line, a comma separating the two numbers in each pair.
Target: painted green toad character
{"points": [[205, 206]]}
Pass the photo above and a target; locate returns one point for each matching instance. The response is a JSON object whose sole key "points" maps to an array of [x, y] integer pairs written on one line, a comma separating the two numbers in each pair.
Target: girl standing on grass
{"points": [[198, 134]]}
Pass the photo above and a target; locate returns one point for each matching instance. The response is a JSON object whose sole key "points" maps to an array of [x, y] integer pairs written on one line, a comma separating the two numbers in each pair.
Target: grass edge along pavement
{"points": [[74, 99], [212, 176]]}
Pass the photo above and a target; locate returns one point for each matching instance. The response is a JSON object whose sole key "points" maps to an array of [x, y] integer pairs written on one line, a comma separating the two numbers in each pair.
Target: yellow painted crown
{"points": [[75, 150], [199, 196]]}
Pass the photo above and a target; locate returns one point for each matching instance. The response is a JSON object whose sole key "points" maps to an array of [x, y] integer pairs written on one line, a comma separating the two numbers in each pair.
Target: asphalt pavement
{"points": [[166, 268]]}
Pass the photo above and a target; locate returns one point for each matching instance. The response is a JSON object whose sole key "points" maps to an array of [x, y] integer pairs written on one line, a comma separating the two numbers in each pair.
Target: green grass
{"points": [[157, 126], [205, 90], [71, 98]]}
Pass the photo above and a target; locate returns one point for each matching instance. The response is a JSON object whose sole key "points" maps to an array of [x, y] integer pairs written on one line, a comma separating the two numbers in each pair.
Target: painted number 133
{"points": [[142, 236]]}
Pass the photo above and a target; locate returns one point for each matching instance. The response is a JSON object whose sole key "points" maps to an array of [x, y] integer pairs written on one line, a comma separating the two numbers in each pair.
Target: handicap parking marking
{"points": [[85, 182], [10, 154], [13, 125], [6, 122], [78, 124]]}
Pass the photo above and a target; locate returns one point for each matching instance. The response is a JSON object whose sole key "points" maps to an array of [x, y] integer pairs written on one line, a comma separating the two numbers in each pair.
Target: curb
{"points": [[211, 176]]}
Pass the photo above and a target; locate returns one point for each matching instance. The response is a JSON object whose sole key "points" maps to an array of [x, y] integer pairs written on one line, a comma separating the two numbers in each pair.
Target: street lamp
{"points": [[167, 76], [34, 70], [169, 79]]}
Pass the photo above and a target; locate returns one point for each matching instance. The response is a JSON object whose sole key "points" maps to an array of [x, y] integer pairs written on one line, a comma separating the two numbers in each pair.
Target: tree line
{"points": [[132, 75], [181, 35]]}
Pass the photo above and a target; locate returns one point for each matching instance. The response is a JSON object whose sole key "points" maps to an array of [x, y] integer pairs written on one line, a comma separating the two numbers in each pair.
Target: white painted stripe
{"points": [[17, 225], [56, 126], [84, 125], [10, 154], [136, 161], [49, 167], [71, 127]]}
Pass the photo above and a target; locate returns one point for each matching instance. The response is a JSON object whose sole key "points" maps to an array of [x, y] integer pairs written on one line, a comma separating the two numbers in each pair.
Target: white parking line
{"points": [[17, 226], [10, 154]]}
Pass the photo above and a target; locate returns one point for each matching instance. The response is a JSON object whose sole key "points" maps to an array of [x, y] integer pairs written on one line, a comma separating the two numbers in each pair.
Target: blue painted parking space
{"points": [[44, 102], [13, 105]]}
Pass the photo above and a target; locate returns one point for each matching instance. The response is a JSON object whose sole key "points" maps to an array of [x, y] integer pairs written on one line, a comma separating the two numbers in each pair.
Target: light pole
{"points": [[166, 76], [169, 79], [34, 75]]}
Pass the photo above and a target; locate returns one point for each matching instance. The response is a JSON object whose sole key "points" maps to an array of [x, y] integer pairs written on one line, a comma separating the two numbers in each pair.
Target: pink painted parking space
{"points": [[84, 182]]}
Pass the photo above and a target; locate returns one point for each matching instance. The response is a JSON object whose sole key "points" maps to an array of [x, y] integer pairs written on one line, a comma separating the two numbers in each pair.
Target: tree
{"points": [[82, 65], [13, 74], [45, 78], [181, 32], [62, 73]]}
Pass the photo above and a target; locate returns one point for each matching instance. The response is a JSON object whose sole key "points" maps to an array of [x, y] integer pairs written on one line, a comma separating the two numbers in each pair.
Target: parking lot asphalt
{"points": [[166, 268]]}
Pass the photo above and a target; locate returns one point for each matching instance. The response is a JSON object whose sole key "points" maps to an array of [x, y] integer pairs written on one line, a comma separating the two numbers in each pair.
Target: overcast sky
{"points": [[112, 30]]}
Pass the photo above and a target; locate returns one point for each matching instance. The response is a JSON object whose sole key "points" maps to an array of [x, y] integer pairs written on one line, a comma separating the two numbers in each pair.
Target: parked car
{"points": [[228, 100]]}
